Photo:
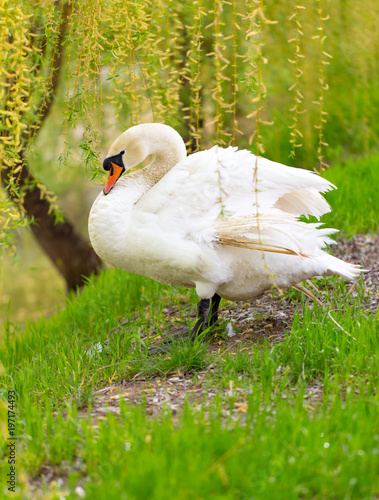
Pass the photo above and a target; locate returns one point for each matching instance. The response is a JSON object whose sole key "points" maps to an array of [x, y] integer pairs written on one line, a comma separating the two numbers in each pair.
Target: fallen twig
{"points": [[340, 327]]}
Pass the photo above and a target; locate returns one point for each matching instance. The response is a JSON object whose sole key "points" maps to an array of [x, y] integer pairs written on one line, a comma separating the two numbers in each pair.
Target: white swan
{"points": [[192, 220]]}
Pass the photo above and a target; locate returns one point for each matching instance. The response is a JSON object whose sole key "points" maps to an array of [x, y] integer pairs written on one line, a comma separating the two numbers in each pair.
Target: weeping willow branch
{"points": [[192, 76], [57, 239], [15, 175], [323, 86], [235, 75], [217, 91], [56, 64], [298, 97], [256, 60]]}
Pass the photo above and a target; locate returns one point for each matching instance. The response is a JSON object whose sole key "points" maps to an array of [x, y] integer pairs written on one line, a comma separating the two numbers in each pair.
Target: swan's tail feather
{"points": [[285, 234], [347, 270]]}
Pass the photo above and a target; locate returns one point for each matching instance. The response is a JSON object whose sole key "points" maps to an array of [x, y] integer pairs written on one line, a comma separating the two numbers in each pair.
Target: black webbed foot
{"points": [[207, 316]]}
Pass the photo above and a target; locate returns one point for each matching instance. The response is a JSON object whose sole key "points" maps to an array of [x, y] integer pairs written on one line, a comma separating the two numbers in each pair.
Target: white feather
{"points": [[202, 221]]}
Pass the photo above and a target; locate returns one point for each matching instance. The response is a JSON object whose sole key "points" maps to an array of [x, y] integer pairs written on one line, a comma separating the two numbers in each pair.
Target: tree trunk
{"points": [[70, 253]]}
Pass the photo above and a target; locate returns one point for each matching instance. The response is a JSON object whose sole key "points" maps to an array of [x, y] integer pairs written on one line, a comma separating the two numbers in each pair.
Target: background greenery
{"points": [[220, 72]]}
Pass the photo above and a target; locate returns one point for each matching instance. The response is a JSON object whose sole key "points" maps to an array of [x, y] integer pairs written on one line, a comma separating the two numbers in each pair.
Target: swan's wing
{"points": [[221, 183], [276, 186], [292, 190], [284, 234]]}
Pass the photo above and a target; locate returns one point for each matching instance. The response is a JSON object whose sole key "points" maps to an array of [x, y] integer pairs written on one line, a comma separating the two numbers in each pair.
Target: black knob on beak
{"points": [[116, 159]]}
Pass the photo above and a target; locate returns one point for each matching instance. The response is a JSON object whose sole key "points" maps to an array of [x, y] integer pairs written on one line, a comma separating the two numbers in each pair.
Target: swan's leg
{"points": [[207, 315], [203, 311], [207, 311], [213, 313]]}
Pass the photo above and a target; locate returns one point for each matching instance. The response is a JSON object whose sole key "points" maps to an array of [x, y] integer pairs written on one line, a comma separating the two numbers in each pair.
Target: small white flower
{"points": [[96, 348], [80, 492]]}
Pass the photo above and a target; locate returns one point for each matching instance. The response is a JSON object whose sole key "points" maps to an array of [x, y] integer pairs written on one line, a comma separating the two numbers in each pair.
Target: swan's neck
{"points": [[155, 170], [141, 181], [111, 214]]}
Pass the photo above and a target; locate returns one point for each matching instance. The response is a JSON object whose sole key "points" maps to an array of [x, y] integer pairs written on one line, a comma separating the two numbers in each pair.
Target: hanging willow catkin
{"points": [[175, 69], [255, 61], [16, 84], [87, 87], [192, 76], [125, 22], [323, 55], [295, 133], [233, 110], [217, 93], [221, 78]]}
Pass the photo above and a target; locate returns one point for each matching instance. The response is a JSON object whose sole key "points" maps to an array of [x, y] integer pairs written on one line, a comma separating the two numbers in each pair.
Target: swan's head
{"points": [[128, 151], [136, 144], [115, 166]]}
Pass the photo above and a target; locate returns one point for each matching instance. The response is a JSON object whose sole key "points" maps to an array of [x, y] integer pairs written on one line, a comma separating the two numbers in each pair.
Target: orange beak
{"points": [[114, 174]]}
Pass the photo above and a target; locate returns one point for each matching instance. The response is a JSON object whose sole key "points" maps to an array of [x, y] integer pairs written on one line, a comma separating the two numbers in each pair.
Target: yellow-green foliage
{"points": [[23, 83], [283, 78], [16, 94]]}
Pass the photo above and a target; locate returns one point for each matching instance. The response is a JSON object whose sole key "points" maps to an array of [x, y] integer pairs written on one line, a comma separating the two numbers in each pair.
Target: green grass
{"points": [[282, 443], [281, 449], [278, 448], [355, 204]]}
